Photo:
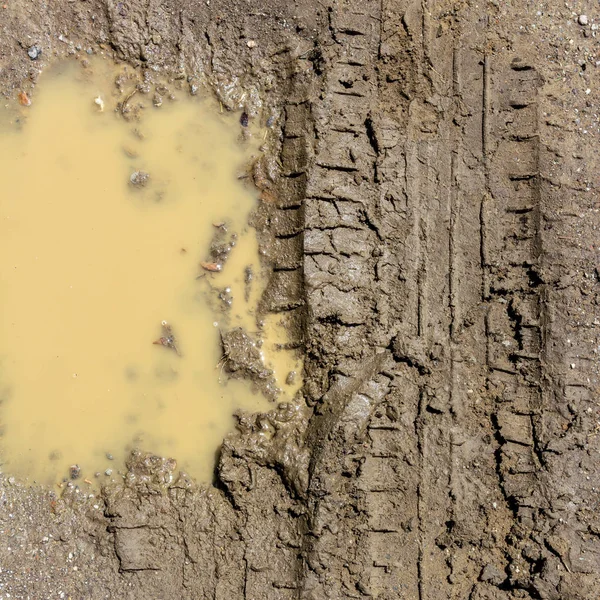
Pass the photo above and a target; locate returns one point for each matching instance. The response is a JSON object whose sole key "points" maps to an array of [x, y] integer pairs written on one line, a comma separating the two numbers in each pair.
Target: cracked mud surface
{"points": [[429, 211]]}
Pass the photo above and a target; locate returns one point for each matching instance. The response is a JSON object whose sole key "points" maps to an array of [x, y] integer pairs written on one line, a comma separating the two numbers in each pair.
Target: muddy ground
{"points": [[430, 214]]}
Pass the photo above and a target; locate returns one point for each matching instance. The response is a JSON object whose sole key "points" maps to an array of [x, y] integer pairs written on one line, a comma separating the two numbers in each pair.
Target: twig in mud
{"points": [[127, 99]]}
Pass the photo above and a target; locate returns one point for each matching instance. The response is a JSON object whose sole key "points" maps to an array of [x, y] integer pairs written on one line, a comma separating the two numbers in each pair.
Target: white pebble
{"points": [[583, 20]]}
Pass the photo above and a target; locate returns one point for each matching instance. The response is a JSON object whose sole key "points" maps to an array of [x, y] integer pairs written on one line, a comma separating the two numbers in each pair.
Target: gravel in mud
{"points": [[430, 212]]}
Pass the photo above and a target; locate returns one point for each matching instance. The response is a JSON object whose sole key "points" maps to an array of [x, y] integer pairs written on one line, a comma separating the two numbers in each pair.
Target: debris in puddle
{"points": [[220, 248], [139, 178], [24, 99], [109, 456], [248, 274], [226, 297], [108, 472], [34, 52], [87, 481], [248, 278], [99, 103], [270, 121], [168, 339], [244, 119], [211, 266], [74, 471], [130, 152], [157, 100], [251, 44], [291, 378]]}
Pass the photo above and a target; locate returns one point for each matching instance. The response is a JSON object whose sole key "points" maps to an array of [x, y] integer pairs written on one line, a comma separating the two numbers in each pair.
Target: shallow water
{"points": [[92, 265]]}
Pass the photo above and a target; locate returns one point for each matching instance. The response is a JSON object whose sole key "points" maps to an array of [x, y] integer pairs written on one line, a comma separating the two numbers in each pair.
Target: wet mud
{"points": [[428, 212]]}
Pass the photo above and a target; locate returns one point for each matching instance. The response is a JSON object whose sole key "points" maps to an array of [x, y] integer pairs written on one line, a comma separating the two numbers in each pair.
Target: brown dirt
{"points": [[430, 214]]}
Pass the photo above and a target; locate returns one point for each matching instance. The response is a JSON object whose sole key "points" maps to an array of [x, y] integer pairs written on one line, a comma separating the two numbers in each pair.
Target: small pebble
{"points": [[24, 99], [251, 44], [108, 472], [139, 178], [583, 20], [244, 119], [109, 456], [74, 471], [34, 52]]}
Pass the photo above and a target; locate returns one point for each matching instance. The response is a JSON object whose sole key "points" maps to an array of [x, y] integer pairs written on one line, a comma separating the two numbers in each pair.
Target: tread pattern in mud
{"points": [[513, 287]]}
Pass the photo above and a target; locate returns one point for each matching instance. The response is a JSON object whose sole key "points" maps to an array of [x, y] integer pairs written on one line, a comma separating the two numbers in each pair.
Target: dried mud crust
{"points": [[429, 210]]}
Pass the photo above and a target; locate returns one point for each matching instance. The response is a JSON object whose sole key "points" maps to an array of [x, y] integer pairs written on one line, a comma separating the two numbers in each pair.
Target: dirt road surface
{"points": [[431, 219]]}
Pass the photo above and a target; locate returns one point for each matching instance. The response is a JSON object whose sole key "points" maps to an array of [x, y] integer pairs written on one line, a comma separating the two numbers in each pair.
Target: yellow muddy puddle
{"points": [[99, 262]]}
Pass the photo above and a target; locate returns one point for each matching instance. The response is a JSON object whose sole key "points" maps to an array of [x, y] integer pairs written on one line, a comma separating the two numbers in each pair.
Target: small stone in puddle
{"points": [[139, 178], [109, 456], [74, 471]]}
